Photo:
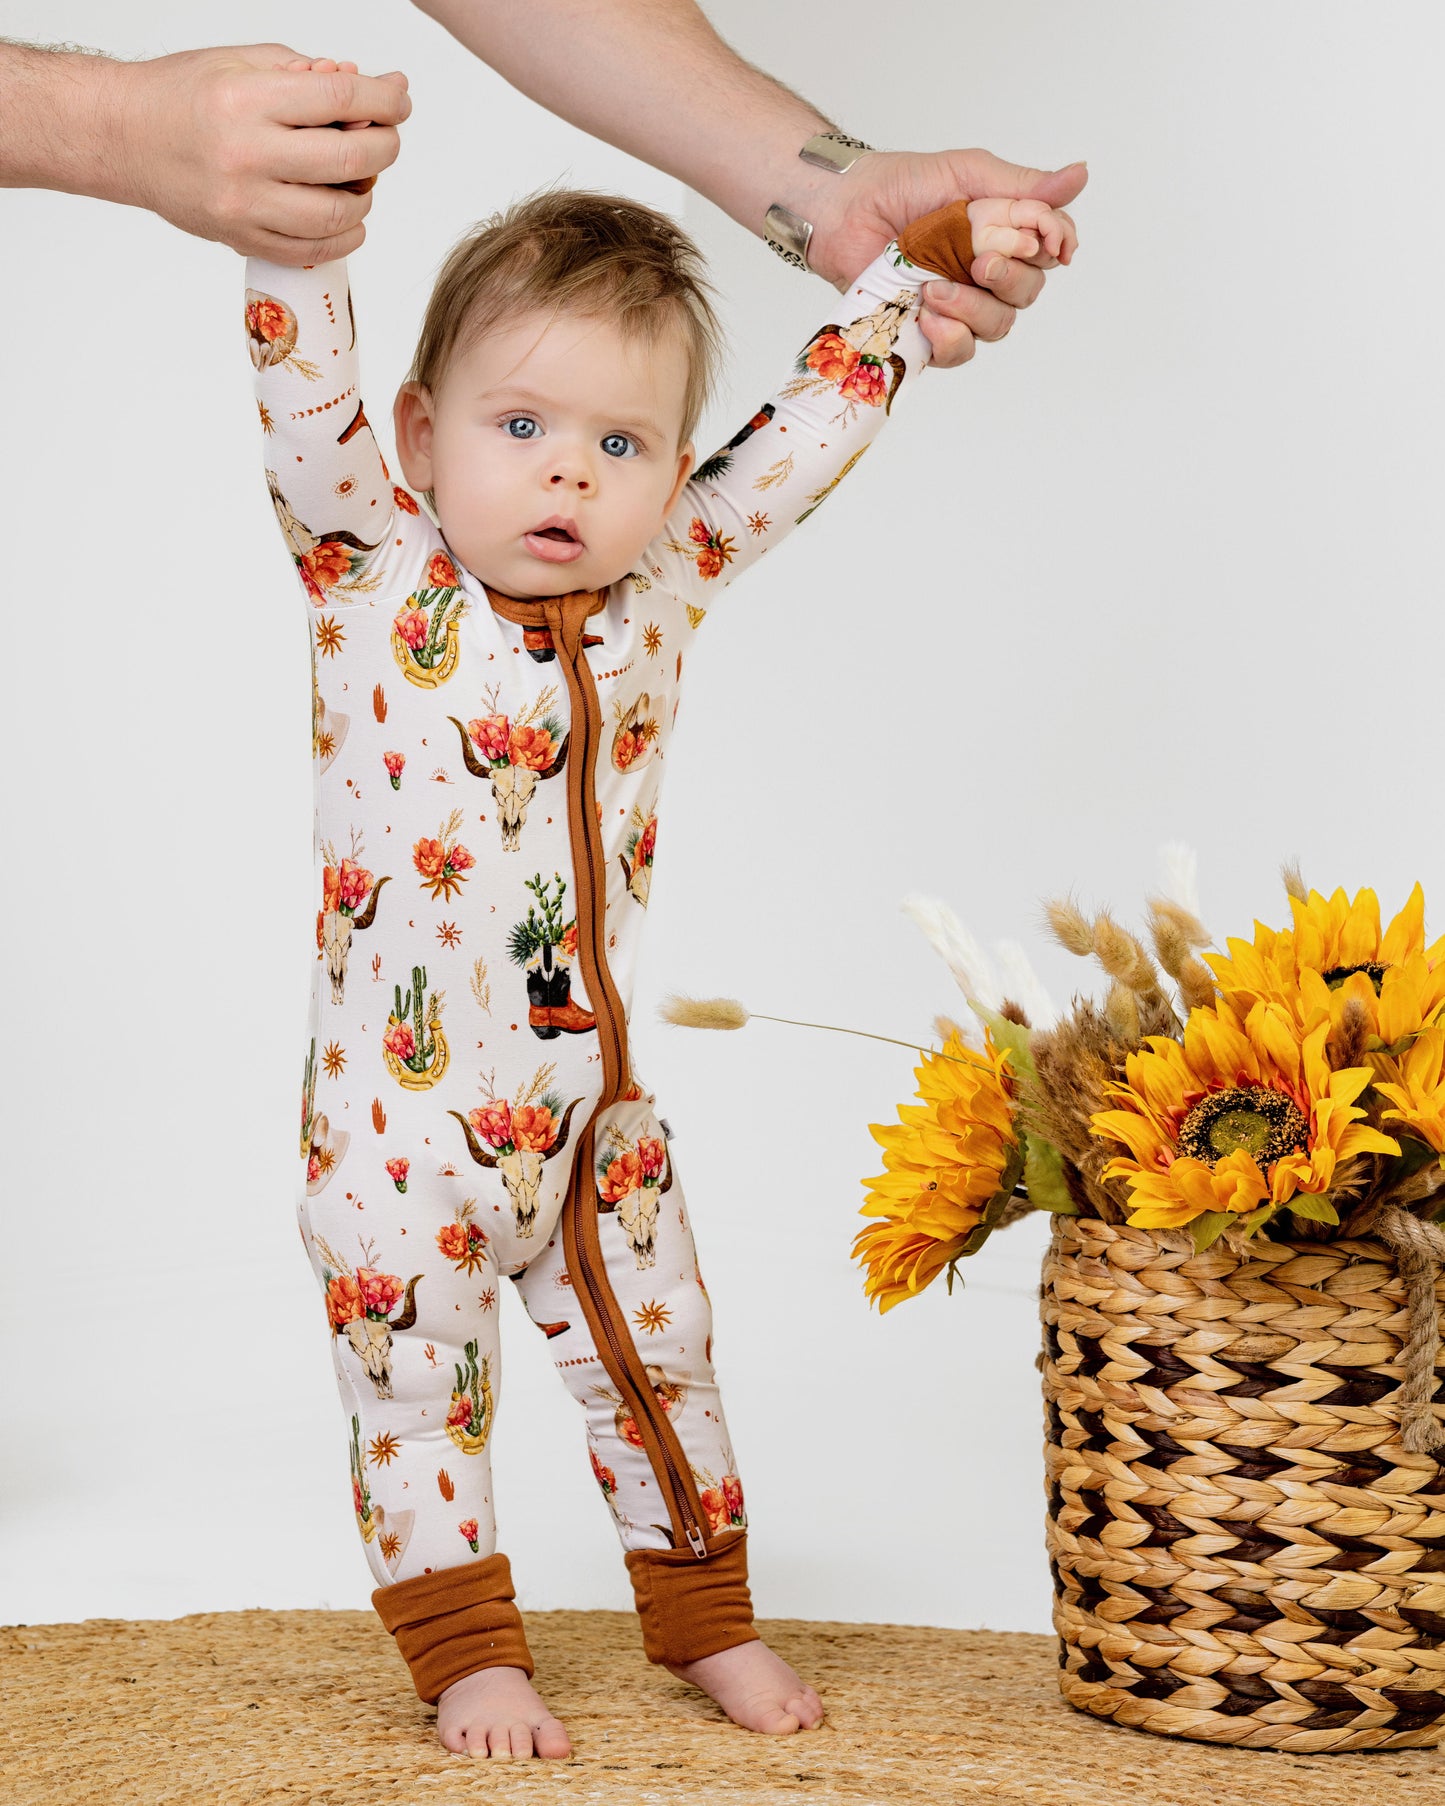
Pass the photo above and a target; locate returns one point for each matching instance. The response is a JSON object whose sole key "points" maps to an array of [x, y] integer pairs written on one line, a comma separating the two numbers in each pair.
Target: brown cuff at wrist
{"points": [[454, 1621], [693, 1607], [940, 241]]}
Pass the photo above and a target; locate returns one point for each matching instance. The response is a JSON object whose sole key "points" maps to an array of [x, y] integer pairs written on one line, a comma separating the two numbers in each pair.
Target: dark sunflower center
{"points": [[1264, 1123], [1337, 975]]}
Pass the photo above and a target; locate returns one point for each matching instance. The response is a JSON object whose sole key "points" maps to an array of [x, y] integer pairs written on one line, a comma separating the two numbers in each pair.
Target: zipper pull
{"points": [[694, 1540]]}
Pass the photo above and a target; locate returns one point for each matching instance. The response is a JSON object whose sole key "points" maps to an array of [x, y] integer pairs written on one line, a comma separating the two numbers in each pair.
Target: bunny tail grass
{"points": [[702, 1012], [727, 1012]]}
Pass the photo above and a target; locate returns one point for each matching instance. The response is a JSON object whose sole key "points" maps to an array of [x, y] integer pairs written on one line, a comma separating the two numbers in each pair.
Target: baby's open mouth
{"points": [[555, 541]]}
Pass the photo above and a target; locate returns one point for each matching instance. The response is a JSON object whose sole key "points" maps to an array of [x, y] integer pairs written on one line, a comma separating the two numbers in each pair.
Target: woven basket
{"points": [[1243, 1550]]}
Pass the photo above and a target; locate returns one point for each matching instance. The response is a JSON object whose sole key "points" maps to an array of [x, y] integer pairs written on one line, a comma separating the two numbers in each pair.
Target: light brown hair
{"points": [[572, 251]]}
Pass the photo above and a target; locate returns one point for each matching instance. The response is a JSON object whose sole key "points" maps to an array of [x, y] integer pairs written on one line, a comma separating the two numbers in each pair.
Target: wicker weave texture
{"points": [[1243, 1550]]}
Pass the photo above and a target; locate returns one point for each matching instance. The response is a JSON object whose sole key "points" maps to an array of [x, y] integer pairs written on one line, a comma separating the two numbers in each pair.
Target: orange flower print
{"points": [[724, 1503], [832, 357], [413, 624], [533, 748], [628, 1430], [468, 1528], [864, 384], [604, 1476], [648, 841], [353, 884], [380, 1292], [568, 947], [460, 1414], [395, 763], [443, 868], [343, 1300], [627, 747], [732, 1490], [492, 737], [441, 573], [650, 1155], [534, 1127], [493, 1122], [714, 549], [330, 888], [624, 1175], [397, 1171], [404, 501], [324, 566], [464, 1245], [400, 1040], [267, 319]]}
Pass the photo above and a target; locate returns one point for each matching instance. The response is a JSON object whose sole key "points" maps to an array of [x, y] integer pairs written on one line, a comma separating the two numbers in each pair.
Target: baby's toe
{"points": [[521, 1735], [807, 1708], [777, 1721], [454, 1738], [550, 1740]]}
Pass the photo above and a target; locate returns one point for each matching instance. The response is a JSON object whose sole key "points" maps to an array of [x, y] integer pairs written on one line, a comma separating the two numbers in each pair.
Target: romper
{"points": [[487, 773]]}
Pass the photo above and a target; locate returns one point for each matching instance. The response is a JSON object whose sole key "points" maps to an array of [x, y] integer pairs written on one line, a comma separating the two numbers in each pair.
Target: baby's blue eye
{"points": [[522, 426], [618, 445]]}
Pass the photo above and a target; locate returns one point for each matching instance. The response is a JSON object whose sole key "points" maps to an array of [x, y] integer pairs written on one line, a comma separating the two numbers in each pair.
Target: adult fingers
{"points": [[314, 99], [319, 156], [952, 342], [1017, 284], [297, 211], [981, 311], [278, 247], [983, 173]]}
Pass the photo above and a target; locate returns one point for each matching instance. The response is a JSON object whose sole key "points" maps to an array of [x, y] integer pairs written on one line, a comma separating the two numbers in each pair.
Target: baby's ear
{"points": [[411, 417], [686, 460]]}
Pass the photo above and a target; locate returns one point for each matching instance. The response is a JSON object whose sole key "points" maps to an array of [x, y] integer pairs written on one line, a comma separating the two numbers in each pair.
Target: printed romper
{"points": [[487, 781]]}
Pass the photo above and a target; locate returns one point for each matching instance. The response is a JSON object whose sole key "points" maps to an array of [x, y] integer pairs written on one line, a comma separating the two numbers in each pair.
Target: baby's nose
{"points": [[580, 481]]}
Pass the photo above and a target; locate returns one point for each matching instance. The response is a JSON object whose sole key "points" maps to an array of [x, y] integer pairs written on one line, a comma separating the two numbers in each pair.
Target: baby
{"points": [[493, 697]]}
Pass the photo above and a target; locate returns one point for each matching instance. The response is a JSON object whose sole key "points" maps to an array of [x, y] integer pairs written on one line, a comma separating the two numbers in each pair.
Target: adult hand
{"points": [[227, 144], [857, 214]]}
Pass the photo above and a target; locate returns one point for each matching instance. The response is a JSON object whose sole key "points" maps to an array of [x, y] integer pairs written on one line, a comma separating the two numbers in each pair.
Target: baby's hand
{"points": [[1027, 230], [325, 65]]}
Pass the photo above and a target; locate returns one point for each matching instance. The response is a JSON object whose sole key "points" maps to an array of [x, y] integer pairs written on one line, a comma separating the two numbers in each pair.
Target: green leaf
{"points": [[993, 1210], [1008, 1034], [1413, 1157], [1044, 1177], [1208, 1228], [1316, 1209]]}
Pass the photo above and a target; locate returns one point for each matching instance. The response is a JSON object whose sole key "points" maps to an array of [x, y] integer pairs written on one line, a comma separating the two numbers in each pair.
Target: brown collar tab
{"points": [[544, 611]]}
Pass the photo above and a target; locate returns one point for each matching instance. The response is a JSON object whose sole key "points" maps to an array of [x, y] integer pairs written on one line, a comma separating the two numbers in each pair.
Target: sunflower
{"points": [[1335, 952], [1415, 1085], [946, 1161], [1245, 1113]]}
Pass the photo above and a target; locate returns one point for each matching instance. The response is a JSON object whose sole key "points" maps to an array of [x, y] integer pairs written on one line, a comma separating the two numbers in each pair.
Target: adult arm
{"points": [[730, 131], [220, 142]]}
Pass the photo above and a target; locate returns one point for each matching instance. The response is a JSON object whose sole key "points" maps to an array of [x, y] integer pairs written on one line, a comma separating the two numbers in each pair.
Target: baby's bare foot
{"points": [[756, 1688], [498, 1713]]}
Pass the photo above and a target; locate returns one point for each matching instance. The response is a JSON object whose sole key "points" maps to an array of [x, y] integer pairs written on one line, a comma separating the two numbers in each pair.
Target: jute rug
{"points": [[228, 1708]]}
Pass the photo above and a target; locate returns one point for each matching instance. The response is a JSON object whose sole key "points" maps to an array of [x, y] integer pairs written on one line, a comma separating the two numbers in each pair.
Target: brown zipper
{"points": [[581, 1238]]}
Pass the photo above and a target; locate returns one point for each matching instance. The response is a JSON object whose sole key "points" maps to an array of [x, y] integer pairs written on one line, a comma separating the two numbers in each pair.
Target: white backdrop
{"points": [[1162, 565]]}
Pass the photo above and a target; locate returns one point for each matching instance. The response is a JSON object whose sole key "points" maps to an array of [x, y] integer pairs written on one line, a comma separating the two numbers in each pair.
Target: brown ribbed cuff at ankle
{"points": [[455, 1621], [941, 241], [692, 1607]]}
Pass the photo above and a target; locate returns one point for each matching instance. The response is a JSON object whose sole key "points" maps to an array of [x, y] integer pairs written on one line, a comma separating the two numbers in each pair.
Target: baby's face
{"points": [[552, 450]]}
